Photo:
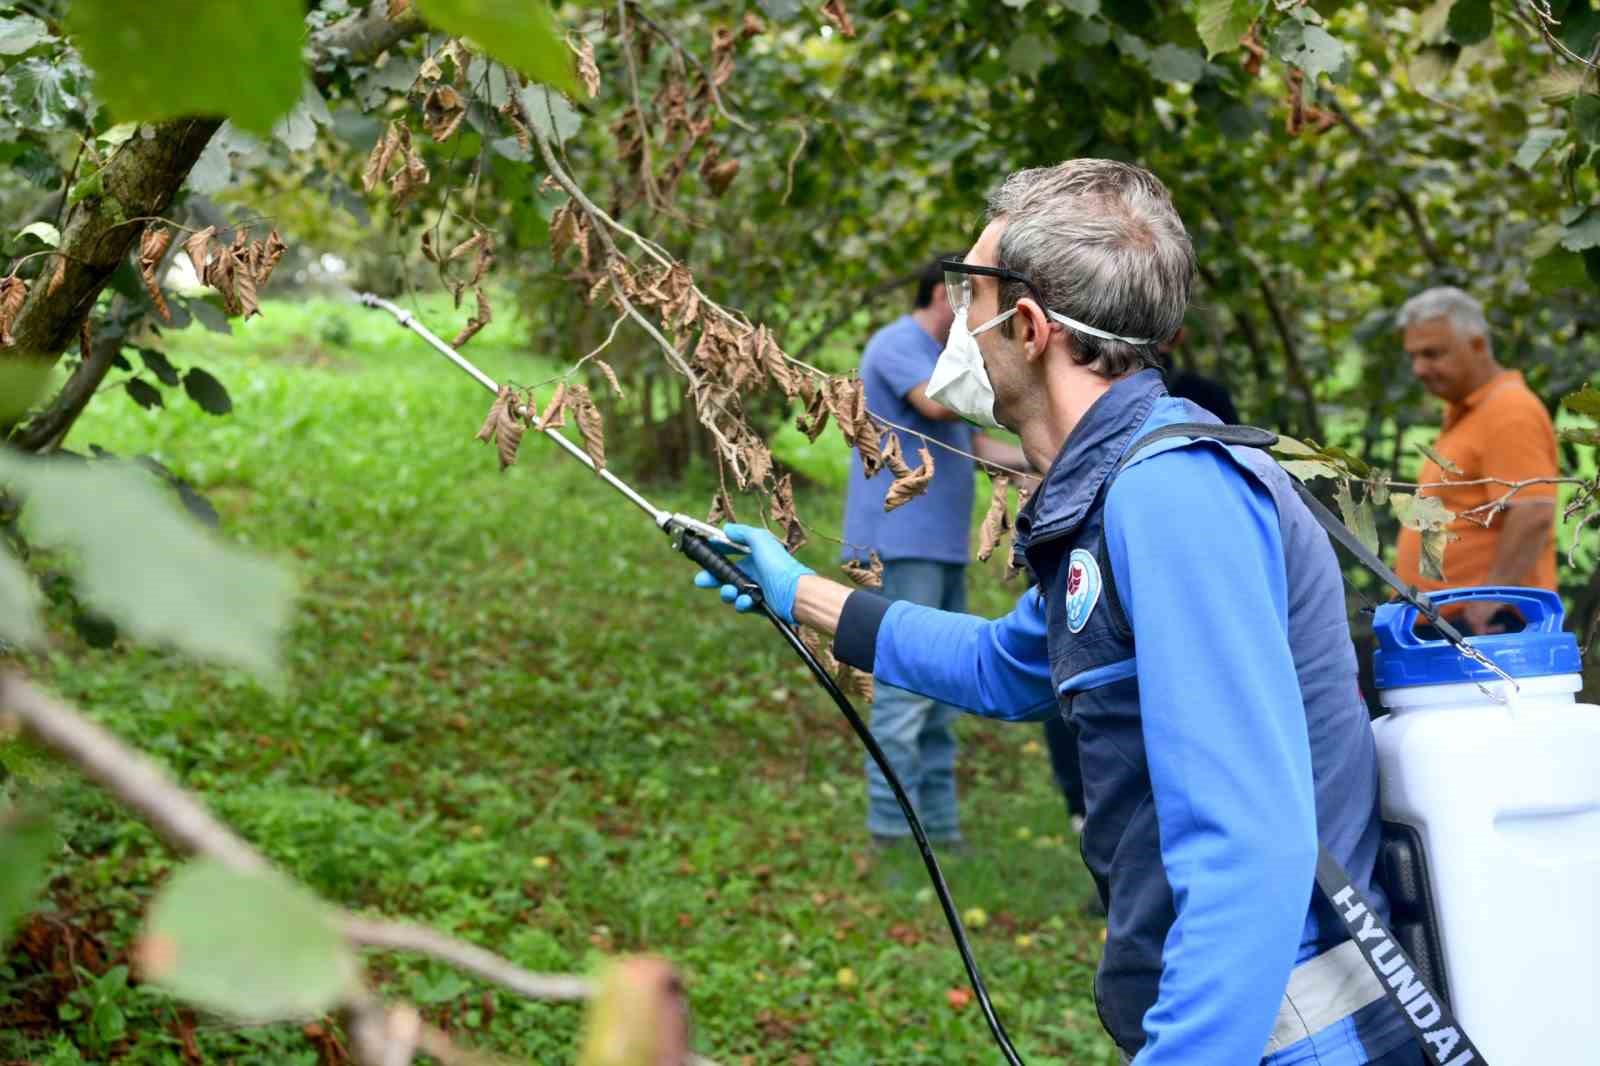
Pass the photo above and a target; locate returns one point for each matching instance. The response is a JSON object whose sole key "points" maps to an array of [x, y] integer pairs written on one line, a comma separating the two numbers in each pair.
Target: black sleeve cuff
{"points": [[856, 641]]}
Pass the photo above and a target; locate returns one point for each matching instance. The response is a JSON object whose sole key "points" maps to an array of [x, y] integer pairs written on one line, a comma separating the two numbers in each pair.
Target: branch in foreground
{"points": [[402, 936]]}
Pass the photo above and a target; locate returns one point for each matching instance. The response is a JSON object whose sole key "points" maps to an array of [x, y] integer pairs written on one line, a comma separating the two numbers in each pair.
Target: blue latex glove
{"points": [[769, 564]]}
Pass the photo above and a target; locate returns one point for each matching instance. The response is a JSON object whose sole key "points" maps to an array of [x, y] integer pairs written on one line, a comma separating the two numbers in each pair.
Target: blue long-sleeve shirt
{"points": [[1223, 726]]}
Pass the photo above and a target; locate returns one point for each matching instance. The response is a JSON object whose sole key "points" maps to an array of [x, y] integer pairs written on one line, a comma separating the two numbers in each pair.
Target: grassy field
{"points": [[509, 714]]}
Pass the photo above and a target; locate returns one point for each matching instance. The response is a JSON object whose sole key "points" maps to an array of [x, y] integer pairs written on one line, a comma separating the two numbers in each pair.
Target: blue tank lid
{"points": [[1404, 658]]}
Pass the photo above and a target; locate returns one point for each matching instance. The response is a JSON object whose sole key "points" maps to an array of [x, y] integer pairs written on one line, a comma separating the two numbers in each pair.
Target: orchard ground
{"points": [[509, 714]]}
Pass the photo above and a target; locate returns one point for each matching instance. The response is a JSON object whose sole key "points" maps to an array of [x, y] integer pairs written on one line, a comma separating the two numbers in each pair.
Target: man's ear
{"points": [[1033, 330]]}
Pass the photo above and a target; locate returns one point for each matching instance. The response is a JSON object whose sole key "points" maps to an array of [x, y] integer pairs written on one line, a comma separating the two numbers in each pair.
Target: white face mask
{"points": [[959, 379]]}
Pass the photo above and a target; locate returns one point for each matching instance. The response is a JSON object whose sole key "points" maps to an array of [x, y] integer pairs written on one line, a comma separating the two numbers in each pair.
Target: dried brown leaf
{"points": [[869, 445], [912, 484], [222, 274], [588, 70], [443, 109], [611, 378], [398, 8], [719, 177], [836, 14], [197, 247], [842, 403], [270, 256], [815, 418], [893, 458], [758, 462], [412, 176], [153, 244], [555, 416], [721, 509], [752, 25], [997, 522], [484, 316], [782, 510], [503, 427], [378, 160], [13, 294], [868, 574], [591, 427]]}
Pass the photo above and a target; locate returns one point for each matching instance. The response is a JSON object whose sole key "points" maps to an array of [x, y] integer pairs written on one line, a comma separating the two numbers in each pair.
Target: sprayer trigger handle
{"points": [[698, 548]]}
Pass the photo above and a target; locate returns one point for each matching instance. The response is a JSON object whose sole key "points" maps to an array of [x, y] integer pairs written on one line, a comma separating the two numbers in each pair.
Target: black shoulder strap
{"points": [[1427, 1014]]}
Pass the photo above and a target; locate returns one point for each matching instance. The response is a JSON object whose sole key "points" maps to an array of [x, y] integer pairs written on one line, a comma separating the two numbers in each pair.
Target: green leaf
{"points": [[1422, 513], [1584, 233], [1539, 141], [1311, 48], [1558, 270], [1442, 462], [1304, 462], [19, 613], [22, 383], [519, 33], [1590, 437], [1223, 22], [1351, 461], [197, 57], [19, 34], [1082, 8], [207, 391], [1173, 64], [1470, 21], [44, 232], [1358, 516], [148, 566], [550, 113], [143, 393], [1029, 54], [156, 362], [250, 945], [27, 841], [1586, 118], [1586, 401]]}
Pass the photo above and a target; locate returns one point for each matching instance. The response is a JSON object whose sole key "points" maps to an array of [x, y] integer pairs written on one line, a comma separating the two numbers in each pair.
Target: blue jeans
{"points": [[914, 731]]}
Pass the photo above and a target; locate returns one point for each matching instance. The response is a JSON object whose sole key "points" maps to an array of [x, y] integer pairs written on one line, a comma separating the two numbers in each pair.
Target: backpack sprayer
{"points": [[706, 545]]}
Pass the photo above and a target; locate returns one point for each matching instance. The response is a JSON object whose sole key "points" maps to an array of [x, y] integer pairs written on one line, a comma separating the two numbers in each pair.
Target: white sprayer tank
{"points": [[1502, 788]]}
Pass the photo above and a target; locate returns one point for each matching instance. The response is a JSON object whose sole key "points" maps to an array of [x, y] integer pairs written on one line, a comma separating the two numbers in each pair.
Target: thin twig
{"points": [[647, 166], [567, 373], [403, 936], [788, 181]]}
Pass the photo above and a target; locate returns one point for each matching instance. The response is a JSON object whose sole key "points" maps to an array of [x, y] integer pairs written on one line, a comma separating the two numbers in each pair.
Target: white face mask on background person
{"points": [[960, 381]]}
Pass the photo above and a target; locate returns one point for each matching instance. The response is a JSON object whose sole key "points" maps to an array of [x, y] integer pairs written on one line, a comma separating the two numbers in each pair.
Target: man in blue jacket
{"points": [[1186, 614]]}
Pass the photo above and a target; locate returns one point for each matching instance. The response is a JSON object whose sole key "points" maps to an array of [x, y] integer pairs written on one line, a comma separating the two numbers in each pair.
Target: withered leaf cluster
{"points": [[997, 521], [721, 509], [913, 483], [395, 147], [237, 271], [503, 426], [153, 244], [13, 294], [479, 246], [868, 574]]}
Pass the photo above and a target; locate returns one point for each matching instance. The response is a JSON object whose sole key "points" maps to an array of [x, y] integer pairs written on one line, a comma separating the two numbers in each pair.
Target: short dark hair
{"points": [[931, 277]]}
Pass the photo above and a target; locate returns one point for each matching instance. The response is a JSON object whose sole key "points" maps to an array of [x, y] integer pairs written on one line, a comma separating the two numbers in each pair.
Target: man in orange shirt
{"points": [[1494, 427]]}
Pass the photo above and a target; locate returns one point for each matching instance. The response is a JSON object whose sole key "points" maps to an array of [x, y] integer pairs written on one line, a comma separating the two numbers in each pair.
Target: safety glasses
{"points": [[958, 282]]}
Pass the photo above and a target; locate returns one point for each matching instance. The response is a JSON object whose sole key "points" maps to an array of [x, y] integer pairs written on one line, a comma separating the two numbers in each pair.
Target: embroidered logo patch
{"points": [[1083, 588]]}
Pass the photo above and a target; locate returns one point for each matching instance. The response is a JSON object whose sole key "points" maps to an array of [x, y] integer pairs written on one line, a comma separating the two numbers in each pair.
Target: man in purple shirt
{"points": [[924, 545]]}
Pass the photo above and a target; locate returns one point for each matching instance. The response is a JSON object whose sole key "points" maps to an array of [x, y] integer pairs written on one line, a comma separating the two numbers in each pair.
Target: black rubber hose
{"points": [[957, 930]]}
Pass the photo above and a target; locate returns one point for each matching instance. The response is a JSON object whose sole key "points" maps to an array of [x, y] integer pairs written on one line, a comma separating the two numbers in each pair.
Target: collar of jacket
{"points": [[1091, 453]]}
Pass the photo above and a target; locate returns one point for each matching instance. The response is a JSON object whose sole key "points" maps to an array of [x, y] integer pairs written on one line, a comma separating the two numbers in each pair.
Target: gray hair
{"points": [[1104, 245], [1445, 301]]}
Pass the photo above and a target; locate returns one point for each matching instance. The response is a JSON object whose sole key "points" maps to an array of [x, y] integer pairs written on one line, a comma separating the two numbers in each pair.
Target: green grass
{"points": [[509, 714]]}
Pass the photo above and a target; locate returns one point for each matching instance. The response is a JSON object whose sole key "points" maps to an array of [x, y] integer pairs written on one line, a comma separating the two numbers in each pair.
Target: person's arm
{"points": [[997, 669], [917, 397], [1525, 530], [999, 452], [1197, 556]]}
